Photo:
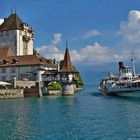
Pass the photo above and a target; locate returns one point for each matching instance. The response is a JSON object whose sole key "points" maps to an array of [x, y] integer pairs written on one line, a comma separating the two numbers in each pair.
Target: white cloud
{"points": [[57, 38], [1, 21], [98, 55], [90, 34], [50, 51], [89, 55], [130, 33], [87, 35], [130, 30]]}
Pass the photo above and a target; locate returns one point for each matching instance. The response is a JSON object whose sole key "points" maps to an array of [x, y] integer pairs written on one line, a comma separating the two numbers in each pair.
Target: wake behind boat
{"points": [[127, 83]]}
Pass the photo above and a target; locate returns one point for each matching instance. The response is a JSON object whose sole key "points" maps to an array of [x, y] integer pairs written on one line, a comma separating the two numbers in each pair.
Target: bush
{"points": [[79, 82], [54, 86]]}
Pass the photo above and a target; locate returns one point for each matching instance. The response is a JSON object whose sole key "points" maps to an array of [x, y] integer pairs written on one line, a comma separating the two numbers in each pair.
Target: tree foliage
{"points": [[78, 81], [54, 86]]}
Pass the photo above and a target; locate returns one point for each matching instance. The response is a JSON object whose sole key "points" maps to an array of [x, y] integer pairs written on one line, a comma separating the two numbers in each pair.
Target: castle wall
{"points": [[68, 89], [14, 39], [19, 43], [11, 93], [8, 39], [24, 47]]}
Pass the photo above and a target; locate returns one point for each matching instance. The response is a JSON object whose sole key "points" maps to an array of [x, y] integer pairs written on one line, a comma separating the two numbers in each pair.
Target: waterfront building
{"points": [[23, 67], [18, 58], [17, 35]]}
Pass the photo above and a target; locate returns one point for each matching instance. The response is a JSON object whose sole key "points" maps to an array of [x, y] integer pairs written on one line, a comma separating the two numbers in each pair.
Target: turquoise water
{"points": [[85, 116]]}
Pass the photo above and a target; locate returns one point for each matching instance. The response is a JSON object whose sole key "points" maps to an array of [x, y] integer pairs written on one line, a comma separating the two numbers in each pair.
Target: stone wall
{"points": [[68, 89], [54, 92], [31, 88], [11, 93], [31, 92], [25, 84]]}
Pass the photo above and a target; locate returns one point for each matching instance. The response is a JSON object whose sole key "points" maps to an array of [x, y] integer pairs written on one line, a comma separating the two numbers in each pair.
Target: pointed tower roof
{"points": [[13, 22], [67, 67]]}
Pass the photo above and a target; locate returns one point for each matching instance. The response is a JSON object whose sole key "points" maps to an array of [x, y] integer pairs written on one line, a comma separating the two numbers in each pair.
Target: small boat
{"points": [[127, 83]]}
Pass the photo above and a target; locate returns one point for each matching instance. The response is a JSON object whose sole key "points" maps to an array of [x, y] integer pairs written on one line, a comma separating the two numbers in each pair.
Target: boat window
{"points": [[124, 71]]}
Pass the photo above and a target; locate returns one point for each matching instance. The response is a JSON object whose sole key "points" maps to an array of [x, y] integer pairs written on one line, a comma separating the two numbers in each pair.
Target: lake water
{"points": [[86, 116]]}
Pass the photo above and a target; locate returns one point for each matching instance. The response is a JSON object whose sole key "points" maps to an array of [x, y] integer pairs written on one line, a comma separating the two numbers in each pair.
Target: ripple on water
{"points": [[87, 115]]}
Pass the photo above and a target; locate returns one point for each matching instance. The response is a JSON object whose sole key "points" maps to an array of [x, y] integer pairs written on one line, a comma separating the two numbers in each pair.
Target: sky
{"points": [[99, 32]]}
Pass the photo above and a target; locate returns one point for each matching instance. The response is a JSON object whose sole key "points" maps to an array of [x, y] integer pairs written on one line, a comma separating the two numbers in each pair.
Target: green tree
{"points": [[54, 86], [78, 79]]}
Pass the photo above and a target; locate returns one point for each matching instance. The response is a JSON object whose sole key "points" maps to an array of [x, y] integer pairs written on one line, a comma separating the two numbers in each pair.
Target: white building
{"points": [[16, 34], [17, 57], [25, 67]]}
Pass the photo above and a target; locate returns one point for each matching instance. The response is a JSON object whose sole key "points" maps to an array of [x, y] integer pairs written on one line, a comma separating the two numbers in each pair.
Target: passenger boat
{"points": [[127, 83]]}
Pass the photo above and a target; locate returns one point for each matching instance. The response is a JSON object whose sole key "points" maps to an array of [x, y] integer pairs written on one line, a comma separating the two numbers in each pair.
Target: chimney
{"points": [[121, 65]]}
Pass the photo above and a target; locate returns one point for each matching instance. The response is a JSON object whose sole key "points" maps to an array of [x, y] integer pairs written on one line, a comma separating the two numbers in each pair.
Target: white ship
{"points": [[127, 83]]}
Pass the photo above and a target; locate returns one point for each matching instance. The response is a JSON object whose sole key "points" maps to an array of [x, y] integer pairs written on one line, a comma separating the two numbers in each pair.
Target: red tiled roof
{"points": [[13, 22], [7, 59], [5, 52]]}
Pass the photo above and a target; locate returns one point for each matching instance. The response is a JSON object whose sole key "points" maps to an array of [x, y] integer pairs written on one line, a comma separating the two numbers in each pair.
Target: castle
{"points": [[17, 35], [20, 62], [17, 56]]}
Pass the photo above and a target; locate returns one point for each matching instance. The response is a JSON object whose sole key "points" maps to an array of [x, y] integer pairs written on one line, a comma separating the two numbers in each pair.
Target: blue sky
{"points": [[100, 32]]}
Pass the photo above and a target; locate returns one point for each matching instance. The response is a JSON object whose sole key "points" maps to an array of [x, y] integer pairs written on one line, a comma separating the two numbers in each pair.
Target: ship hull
{"points": [[125, 92]]}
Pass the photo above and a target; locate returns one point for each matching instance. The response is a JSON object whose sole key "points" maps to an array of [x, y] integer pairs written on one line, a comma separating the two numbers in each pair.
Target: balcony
{"points": [[26, 38]]}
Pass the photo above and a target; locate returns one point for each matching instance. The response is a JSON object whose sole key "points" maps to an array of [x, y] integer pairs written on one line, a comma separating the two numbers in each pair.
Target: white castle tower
{"points": [[16, 34]]}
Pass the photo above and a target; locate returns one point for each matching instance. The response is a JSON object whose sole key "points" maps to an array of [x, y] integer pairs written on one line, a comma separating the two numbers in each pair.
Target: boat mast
{"points": [[133, 63]]}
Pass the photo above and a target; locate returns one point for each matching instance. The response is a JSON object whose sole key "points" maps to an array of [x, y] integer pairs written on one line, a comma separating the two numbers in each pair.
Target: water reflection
{"points": [[83, 116]]}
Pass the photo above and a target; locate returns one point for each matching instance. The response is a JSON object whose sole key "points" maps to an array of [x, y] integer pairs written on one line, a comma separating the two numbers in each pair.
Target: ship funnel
{"points": [[121, 65]]}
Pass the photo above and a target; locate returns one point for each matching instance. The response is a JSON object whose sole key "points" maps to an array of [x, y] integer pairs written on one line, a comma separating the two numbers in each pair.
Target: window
{"points": [[3, 78], [13, 70], [3, 70], [32, 68], [25, 48]]}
